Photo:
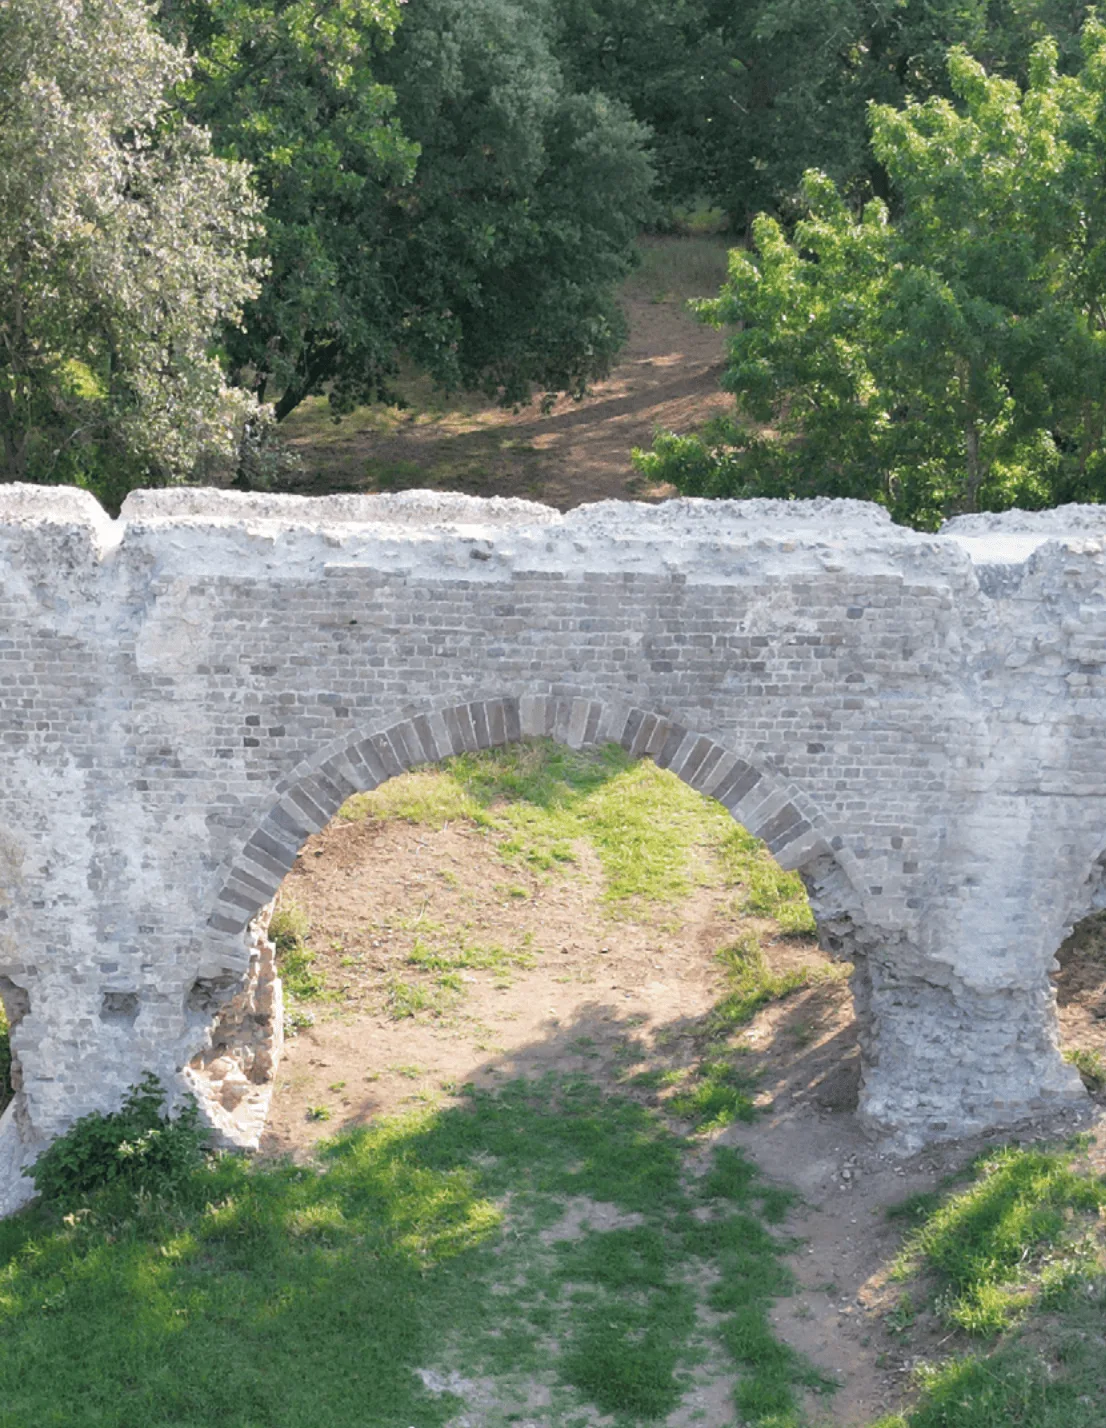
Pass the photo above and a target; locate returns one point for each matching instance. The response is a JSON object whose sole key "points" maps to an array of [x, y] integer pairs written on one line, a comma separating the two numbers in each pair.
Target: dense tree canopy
{"points": [[435, 191], [954, 359], [743, 98], [122, 253]]}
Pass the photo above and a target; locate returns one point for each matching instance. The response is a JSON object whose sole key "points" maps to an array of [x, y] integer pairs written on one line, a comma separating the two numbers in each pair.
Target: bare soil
{"points": [[610, 997]]}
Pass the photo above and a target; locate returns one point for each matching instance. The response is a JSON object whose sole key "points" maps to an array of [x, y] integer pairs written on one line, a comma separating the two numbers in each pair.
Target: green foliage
{"points": [[742, 99], [289, 931], [138, 1149], [123, 254], [435, 191], [1020, 1226], [337, 1282], [953, 360], [643, 824], [1090, 1066]]}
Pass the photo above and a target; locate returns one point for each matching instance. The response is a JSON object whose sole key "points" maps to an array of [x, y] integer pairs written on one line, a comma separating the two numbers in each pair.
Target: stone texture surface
{"points": [[914, 722]]}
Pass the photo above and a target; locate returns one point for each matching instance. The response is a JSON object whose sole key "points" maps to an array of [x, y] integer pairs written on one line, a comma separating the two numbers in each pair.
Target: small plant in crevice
{"points": [[289, 931], [139, 1148], [1090, 1065]]}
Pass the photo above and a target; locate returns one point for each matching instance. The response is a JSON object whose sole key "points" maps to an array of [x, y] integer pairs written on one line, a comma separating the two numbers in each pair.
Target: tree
{"points": [[743, 98], [290, 87], [435, 191], [952, 360], [667, 61], [122, 253]]}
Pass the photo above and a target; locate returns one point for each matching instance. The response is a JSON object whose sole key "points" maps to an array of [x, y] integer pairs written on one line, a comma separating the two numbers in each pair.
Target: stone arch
{"points": [[234, 1005], [308, 798]]}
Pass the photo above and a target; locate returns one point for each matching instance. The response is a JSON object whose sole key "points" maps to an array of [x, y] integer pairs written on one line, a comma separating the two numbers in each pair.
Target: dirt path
{"points": [[579, 451]]}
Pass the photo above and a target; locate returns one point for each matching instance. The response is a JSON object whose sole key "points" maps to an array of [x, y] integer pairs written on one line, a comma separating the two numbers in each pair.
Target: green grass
{"points": [[412, 999], [1014, 1257], [654, 837], [765, 890], [677, 270], [718, 1090], [286, 1297], [471, 956], [289, 931], [1090, 1066], [717, 1094], [751, 984], [1023, 1229]]}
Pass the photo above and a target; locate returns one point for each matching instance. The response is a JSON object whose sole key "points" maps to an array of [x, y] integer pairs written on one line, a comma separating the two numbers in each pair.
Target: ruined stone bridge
{"points": [[916, 723]]}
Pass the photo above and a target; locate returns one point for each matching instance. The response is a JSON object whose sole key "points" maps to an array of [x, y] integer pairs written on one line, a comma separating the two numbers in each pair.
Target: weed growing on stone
{"points": [[1090, 1066], [432, 1249], [138, 1149], [289, 931]]}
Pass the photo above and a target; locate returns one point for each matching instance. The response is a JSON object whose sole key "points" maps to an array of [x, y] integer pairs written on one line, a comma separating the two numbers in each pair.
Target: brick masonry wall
{"points": [[914, 722]]}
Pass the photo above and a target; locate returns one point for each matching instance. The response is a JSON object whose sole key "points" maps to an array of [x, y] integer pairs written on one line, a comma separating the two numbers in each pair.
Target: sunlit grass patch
{"points": [[716, 1095], [1015, 1256], [655, 838], [764, 889], [1027, 1226], [471, 956], [425, 796], [751, 984], [411, 999], [1090, 1065]]}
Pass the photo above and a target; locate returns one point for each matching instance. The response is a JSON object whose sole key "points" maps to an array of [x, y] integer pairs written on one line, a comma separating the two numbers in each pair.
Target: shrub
{"points": [[138, 1147]]}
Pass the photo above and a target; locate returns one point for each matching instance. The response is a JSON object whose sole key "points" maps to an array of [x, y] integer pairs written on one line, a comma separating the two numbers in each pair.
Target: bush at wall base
{"points": [[139, 1148]]}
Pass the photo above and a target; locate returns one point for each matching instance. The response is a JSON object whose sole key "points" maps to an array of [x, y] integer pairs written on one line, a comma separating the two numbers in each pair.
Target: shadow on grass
{"points": [[293, 1296]]}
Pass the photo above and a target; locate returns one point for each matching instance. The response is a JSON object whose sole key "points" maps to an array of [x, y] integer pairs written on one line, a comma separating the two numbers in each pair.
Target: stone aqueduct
{"points": [[916, 723]]}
